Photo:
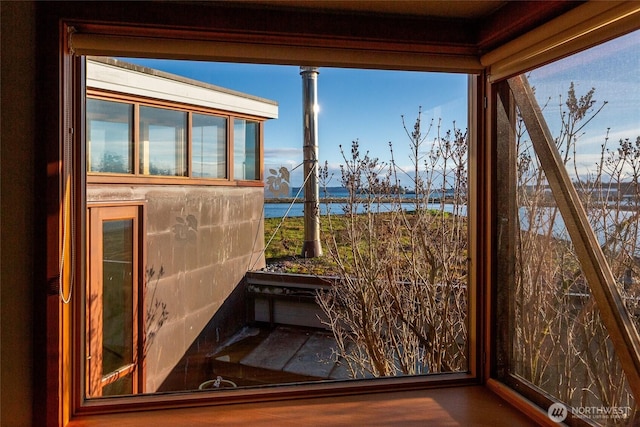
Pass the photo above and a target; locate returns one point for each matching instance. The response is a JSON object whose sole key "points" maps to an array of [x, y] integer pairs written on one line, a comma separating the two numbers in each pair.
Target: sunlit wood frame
{"points": [[95, 379], [84, 406], [509, 95], [60, 404]]}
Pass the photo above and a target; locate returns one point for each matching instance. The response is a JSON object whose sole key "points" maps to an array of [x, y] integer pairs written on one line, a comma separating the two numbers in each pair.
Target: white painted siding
{"points": [[162, 86]]}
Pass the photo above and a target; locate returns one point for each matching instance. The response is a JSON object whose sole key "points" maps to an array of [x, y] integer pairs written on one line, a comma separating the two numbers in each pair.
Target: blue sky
{"points": [[613, 69], [366, 105]]}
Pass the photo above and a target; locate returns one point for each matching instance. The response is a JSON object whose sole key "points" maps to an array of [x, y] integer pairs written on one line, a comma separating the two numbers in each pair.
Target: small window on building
{"points": [[246, 142], [163, 143], [109, 137], [209, 141]]}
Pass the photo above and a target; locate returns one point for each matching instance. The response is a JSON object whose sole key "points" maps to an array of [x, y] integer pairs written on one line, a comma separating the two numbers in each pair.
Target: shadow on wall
{"points": [[195, 365]]}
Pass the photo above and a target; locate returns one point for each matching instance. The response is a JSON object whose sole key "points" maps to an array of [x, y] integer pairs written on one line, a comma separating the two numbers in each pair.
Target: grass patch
{"points": [[286, 247], [284, 252]]}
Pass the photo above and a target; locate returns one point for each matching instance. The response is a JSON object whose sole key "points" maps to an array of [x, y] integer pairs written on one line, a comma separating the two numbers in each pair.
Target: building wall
{"points": [[18, 203], [203, 239]]}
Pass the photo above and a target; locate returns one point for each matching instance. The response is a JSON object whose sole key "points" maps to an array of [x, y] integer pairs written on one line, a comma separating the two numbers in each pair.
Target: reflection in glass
{"points": [[117, 321], [208, 141], [245, 150], [591, 103], [163, 145], [109, 136], [123, 385]]}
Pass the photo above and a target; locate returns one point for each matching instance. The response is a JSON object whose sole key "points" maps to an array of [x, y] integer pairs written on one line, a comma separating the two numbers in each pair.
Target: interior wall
{"points": [[18, 103]]}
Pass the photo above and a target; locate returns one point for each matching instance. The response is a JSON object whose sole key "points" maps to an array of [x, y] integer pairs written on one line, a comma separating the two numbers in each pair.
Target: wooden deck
{"points": [[296, 351], [275, 355]]}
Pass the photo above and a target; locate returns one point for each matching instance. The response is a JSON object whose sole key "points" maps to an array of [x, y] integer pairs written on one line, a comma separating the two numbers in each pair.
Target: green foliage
{"points": [[286, 247]]}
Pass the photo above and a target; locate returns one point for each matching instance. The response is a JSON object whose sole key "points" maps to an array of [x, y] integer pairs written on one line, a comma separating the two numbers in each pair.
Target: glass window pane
{"points": [[163, 145], [560, 343], [109, 136], [201, 330], [117, 283], [209, 143], [123, 385], [245, 152], [591, 105]]}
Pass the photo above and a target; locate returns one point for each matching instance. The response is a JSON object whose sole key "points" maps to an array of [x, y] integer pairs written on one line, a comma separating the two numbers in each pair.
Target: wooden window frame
{"points": [[183, 140], [517, 93], [61, 404], [95, 215], [88, 148], [142, 179], [226, 145], [507, 95], [82, 406], [258, 155]]}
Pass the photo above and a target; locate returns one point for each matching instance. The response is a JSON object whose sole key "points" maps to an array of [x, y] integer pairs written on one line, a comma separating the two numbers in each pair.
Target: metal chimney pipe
{"points": [[311, 247]]}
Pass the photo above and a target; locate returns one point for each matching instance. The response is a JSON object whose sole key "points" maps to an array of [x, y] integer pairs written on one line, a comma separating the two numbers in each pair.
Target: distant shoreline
{"points": [[345, 199]]}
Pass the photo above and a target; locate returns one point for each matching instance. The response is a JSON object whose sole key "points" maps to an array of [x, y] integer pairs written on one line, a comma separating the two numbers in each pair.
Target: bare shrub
{"points": [[560, 343], [400, 306]]}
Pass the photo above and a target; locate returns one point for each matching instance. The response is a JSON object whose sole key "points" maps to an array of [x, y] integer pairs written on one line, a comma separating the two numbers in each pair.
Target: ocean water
{"points": [[279, 210], [342, 192]]}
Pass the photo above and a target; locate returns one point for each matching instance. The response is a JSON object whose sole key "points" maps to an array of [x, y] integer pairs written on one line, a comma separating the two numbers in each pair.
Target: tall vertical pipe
{"points": [[311, 247]]}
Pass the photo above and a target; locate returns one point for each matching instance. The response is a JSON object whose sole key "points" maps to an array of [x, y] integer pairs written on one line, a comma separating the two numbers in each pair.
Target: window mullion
{"points": [[189, 144], [506, 224], [230, 148], [136, 139]]}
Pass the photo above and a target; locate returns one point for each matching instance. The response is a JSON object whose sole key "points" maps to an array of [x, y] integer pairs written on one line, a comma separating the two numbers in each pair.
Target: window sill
{"points": [[464, 406], [113, 179]]}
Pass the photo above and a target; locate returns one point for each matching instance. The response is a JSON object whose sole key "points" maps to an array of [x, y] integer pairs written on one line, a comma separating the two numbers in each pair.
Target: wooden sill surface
{"points": [[455, 406]]}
